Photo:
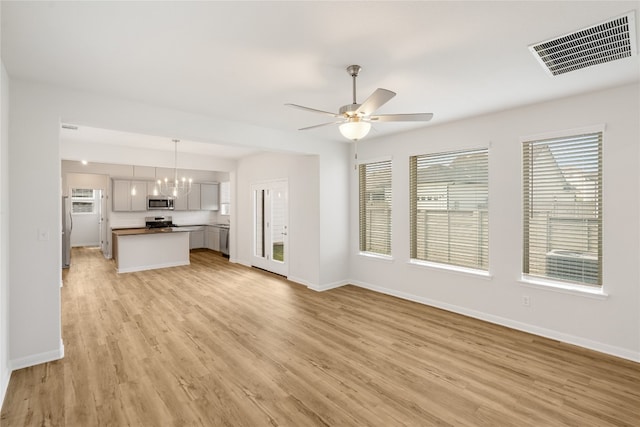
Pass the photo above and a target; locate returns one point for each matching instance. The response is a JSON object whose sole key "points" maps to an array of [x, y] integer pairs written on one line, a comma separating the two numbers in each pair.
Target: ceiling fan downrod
{"points": [[353, 71]]}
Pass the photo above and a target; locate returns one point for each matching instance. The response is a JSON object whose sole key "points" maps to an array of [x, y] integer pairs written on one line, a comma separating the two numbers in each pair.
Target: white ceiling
{"points": [[242, 61]]}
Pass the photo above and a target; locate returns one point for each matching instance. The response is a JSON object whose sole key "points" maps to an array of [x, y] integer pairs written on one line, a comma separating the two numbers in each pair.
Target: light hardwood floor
{"points": [[218, 344]]}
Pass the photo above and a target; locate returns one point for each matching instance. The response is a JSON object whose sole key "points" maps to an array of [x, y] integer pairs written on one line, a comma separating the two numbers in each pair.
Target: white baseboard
{"points": [[37, 359], [525, 327], [328, 286], [4, 384]]}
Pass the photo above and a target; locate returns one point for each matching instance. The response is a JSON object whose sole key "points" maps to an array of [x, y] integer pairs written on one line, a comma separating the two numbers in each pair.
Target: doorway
{"points": [[87, 208], [270, 249]]}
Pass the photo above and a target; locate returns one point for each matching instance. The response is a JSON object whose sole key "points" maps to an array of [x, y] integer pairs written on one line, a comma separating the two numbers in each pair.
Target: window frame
{"points": [[555, 283], [476, 270]]}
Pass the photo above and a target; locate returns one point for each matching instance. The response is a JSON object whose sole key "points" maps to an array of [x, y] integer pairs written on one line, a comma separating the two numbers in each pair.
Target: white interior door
{"points": [[103, 223], [85, 215], [271, 226]]}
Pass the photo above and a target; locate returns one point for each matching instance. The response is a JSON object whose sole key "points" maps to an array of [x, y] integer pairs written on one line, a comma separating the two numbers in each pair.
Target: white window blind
{"points": [[81, 193], [375, 207], [82, 200], [449, 195], [562, 195], [82, 207]]}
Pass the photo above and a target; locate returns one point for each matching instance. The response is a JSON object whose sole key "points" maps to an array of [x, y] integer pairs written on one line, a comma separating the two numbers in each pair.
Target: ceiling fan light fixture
{"points": [[355, 129], [355, 119]]}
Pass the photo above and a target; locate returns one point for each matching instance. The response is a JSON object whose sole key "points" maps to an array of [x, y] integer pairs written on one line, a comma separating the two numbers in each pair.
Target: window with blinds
{"points": [[562, 195], [375, 207], [82, 200], [449, 196]]}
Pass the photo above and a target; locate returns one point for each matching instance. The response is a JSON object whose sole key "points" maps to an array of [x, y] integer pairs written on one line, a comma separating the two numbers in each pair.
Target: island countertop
{"points": [[134, 231]]}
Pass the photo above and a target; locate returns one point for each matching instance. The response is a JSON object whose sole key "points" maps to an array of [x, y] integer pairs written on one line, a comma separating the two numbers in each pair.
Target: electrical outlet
{"points": [[526, 300]]}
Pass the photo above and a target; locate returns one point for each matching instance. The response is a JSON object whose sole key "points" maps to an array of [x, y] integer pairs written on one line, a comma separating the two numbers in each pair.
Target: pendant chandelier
{"points": [[178, 187]]}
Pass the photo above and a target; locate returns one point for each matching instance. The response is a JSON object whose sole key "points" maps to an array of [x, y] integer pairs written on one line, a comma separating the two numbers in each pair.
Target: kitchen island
{"points": [[138, 249]]}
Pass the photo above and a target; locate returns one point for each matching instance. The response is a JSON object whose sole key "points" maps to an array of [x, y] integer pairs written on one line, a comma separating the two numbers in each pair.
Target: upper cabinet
{"points": [[138, 196], [193, 202], [129, 196], [121, 195], [203, 197], [181, 203], [209, 197]]}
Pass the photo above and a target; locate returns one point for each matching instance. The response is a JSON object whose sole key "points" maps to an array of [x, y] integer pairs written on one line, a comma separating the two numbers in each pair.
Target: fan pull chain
{"points": [[355, 155]]}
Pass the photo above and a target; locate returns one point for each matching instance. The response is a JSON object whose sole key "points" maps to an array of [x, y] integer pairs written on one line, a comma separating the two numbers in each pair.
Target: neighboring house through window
{"points": [[562, 196], [375, 207], [449, 196]]}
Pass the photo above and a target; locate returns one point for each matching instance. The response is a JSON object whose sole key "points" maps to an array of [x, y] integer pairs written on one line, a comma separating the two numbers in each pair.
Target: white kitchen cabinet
{"points": [[196, 239], [193, 199], [180, 204], [162, 173], [213, 238], [153, 189], [121, 195], [209, 197], [129, 196], [138, 194]]}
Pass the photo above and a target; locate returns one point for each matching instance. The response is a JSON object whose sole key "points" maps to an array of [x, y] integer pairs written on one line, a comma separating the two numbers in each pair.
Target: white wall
{"points": [[302, 175], [35, 229], [334, 181], [5, 369], [318, 206], [611, 324]]}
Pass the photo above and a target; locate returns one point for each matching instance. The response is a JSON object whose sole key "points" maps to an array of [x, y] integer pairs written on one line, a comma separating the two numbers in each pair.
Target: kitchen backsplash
{"points": [[136, 219]]}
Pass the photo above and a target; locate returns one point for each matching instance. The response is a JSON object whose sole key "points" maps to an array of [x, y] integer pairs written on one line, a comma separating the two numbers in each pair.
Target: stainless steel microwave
{"points": [[159, 203]]}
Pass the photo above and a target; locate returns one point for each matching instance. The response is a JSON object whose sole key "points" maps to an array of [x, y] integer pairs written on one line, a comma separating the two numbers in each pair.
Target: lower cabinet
{"points": [[196, 239], [213, 238]]}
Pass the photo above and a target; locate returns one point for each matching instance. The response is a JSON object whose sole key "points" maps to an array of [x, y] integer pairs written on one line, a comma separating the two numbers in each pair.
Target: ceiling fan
{"points": [[355, 119]]}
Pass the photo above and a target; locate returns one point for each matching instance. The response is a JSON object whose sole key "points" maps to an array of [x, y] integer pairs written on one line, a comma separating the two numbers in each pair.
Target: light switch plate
{"points": [[43, 235]]}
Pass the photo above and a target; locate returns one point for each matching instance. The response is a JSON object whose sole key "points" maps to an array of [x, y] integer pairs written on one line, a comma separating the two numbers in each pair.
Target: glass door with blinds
{"points": [[270, 249]]}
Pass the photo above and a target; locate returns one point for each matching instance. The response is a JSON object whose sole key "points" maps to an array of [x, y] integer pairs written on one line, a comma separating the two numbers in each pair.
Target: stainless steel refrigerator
{"points": [[67, 226]]}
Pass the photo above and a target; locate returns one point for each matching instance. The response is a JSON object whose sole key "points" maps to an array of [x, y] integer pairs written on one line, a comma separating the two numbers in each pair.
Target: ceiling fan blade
{"points": [[415, 117], [313, 110], [320, 125], [377, 99]]}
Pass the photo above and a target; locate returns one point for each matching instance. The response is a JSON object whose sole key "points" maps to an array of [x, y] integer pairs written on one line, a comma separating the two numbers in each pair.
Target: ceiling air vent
{"points": [[605, 42]]}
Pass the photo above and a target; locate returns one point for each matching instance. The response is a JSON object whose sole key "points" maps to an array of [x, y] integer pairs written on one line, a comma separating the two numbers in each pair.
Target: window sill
{"points": [[565, 288], [373, 255], [452, 268]]}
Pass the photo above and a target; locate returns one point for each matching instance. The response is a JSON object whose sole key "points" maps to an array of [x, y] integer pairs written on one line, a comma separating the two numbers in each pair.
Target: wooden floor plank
{"points": [[220, 344]]}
